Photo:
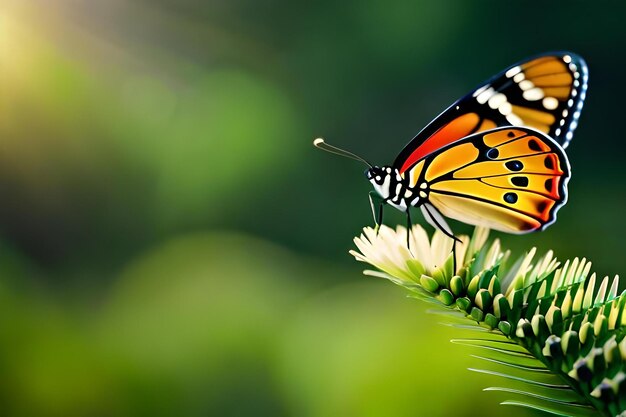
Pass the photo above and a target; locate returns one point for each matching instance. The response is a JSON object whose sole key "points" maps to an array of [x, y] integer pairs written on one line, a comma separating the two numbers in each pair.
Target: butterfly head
{"points": [[382, 179], [376, 175]]}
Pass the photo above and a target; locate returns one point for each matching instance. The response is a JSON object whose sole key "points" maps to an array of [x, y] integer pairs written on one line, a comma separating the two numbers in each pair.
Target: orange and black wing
{"points": [[545, 92], [508, 179]]}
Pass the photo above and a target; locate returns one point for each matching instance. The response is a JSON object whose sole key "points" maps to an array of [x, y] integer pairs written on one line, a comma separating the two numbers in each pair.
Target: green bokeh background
{"points": [[172, 245]]}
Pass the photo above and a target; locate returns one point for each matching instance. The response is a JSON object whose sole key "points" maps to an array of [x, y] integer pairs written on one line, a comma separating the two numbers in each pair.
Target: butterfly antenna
{"points": [[321, 144]]}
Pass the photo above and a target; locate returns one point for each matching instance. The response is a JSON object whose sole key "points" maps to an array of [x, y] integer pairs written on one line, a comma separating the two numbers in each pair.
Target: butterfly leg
{"points": [[454, 255], [376, 203], [435, 219], [409, 226]]}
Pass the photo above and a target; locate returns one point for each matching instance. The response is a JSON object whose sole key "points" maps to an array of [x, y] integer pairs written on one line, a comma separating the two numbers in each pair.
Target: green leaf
{"points": [[463, 303], [446, 297], [429, 283], [556, 409], [543, 382], [527, 364], [495, 345], [568, 397], [457, 286]]}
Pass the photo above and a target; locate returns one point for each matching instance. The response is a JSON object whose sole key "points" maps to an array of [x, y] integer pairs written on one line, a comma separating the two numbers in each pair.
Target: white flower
{"points": [[388, 252]]}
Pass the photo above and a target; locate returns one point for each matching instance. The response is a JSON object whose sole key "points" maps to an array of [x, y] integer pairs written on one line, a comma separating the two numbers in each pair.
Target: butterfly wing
{"points": [[508, 179], [545, 92]]}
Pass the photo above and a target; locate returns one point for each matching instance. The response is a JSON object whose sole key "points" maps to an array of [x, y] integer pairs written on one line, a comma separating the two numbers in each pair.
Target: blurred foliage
{"points": [[155, 154]]}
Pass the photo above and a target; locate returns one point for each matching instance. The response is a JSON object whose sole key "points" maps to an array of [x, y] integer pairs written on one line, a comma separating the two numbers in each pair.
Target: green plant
{"points": [[552, 330]]}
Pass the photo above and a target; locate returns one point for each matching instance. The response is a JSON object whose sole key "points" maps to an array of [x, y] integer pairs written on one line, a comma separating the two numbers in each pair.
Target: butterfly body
{"points": [[392, 187]]}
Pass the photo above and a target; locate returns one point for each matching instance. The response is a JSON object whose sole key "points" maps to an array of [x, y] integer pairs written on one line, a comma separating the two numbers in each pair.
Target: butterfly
{"points": [[495, 157]]}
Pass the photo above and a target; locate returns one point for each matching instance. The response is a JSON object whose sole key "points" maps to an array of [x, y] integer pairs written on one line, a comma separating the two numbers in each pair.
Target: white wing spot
{"points": [[550, 103], [519, 77], [485, 95], [505, 108], [533, 94], [569, 135], [526, 85], [496, 100], [480, 90], [567, 59], [513, 71], [514, 119]]}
